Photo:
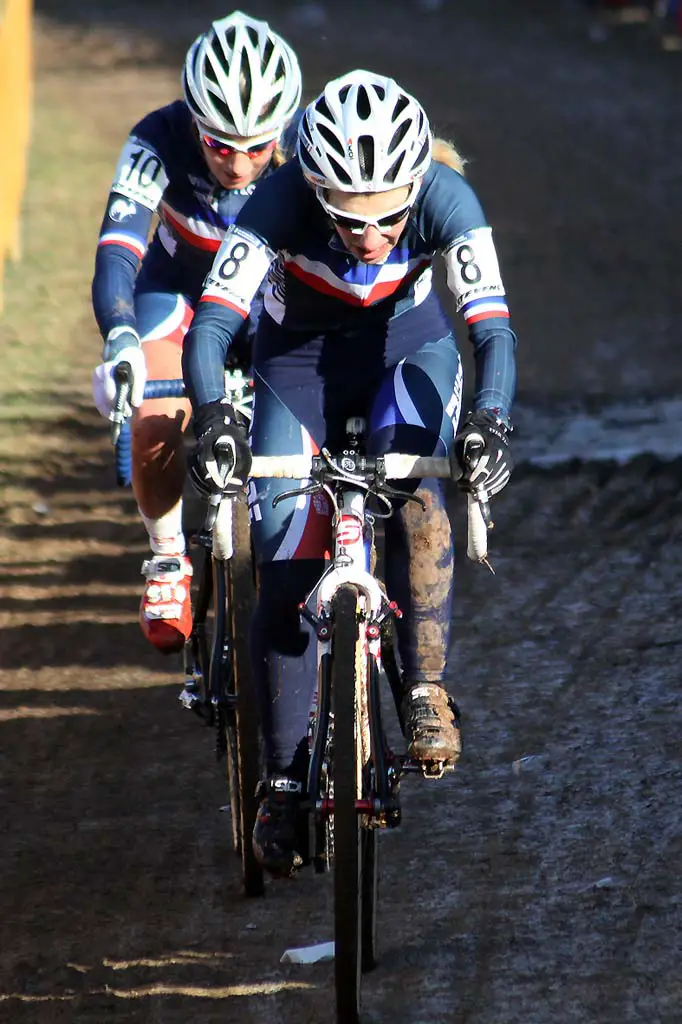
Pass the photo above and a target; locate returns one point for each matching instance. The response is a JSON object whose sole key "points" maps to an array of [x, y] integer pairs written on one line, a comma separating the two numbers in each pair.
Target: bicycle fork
{"points": [[351, 567]]}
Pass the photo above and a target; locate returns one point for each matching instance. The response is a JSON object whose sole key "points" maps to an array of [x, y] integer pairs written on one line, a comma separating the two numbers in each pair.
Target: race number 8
{"points": [[229, 268], [470, 271]]}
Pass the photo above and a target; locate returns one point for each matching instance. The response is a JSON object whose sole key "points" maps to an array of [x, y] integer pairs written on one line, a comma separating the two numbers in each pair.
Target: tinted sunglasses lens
{"points": [[216, 145], [225, 150], [351, 224], [393, 218]]}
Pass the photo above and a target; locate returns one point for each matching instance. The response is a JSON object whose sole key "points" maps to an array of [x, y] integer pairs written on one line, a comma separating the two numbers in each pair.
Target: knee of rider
{"points": [[152, 434], [282, 587], [428, 519]]}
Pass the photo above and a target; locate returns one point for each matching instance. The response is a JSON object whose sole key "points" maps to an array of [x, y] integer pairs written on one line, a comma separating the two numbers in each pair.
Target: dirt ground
{"points": [[538, 884]]}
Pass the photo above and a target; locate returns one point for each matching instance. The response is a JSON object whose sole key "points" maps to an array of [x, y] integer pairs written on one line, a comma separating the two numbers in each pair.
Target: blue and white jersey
{"points": [[314, 284], [162, 171]]}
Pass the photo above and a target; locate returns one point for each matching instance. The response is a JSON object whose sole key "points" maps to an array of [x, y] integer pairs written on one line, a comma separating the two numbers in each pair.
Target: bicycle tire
{"points": [[350, 845], [222, 663], [241, 604], [232, 767], [370, 895]]}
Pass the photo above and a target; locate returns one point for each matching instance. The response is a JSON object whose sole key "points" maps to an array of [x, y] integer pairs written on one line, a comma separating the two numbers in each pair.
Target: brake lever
{"points": [[393, 492], [310, 489], [123, 375]]}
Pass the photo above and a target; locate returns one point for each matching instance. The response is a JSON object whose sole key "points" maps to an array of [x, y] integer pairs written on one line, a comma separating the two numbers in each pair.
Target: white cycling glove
{"points": [[124, 347]]}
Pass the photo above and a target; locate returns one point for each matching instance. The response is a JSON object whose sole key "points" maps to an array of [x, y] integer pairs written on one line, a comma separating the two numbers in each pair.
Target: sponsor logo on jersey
{"points": [[122, 209]]}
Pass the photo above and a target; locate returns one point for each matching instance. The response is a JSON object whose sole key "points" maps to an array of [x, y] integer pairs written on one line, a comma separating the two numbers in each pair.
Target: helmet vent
{"points": [[366, 156], [401, 103], [189, 99], [322, 109], [341, 172], [269, 108], [222, 108], [423, 154], [343, 94], [304, 129], [394, 170], [230, 37], [363, 105], [305, 158], [330, 139], [398, 136], [252, 34], [245, 80]]}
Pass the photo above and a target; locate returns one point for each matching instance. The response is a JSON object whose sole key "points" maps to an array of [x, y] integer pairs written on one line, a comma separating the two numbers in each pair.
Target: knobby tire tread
{"points": [[347, 828], [242, 601], [222, 637]]}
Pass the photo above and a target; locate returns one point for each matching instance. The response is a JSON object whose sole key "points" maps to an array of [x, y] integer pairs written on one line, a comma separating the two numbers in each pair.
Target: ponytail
{"points": [[445, 153]]}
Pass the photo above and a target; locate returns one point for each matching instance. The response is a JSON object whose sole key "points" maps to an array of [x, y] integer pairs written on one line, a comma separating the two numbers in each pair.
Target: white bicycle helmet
{"points": [[241, 78], [364, 134]]}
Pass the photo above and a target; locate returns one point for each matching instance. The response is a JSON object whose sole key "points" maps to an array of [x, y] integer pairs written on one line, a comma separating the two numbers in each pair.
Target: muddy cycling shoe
{"points": [[431, 723], [275, 832], [166, 609]]}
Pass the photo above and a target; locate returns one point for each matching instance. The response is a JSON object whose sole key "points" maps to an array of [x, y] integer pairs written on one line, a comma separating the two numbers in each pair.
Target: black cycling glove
{"points": [[482, 452], [221, 459]]}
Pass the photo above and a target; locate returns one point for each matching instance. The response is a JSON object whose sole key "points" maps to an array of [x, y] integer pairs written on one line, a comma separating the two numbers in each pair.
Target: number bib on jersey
{"points": [[239, 267], [140, 175], [473, 270]]}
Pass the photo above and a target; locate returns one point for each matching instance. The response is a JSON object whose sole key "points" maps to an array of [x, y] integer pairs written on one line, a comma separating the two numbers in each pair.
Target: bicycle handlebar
{"points": [[396, 466]]}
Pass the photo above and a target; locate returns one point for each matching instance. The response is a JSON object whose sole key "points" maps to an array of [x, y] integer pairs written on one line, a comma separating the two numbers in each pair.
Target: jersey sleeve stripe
{"points": [[474, 318], [224, 302], [131, 242], [481, 308]]}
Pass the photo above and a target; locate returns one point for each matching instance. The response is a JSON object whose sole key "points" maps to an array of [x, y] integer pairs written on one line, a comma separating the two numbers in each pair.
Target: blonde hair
{"points": [[278, 157], [445, 153]]}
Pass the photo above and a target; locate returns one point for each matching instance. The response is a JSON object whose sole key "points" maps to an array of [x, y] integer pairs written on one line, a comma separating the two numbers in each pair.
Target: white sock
{"points": [[165, 533]]}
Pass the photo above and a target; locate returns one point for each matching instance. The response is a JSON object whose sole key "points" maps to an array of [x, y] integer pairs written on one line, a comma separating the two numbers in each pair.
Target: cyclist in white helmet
{"points": [[351, 327], [194, 162]]}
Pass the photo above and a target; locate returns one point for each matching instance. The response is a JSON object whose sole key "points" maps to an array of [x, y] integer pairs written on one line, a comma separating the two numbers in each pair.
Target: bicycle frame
{"points": [[353, 777], [352, 532]]}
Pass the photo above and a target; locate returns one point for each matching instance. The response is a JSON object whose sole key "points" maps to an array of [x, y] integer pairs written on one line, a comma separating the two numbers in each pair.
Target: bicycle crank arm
{"points": [[427, 769]]}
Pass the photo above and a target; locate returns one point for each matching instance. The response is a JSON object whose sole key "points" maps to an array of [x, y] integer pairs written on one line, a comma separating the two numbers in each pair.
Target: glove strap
{"points": [[117, 339]]}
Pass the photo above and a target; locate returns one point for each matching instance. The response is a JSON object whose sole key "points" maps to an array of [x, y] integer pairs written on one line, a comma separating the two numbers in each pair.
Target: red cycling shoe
{"points": [[166, 609]]}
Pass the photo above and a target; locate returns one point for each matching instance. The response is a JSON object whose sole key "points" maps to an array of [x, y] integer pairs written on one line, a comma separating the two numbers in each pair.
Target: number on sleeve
{"points": [[231, 264], [472, 267], [140, 174], [240, 265], [470, 272]]}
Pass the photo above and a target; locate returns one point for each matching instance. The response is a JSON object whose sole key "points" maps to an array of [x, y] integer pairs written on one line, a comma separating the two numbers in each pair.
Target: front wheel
{"points": [[354, 844], [242, 603]]}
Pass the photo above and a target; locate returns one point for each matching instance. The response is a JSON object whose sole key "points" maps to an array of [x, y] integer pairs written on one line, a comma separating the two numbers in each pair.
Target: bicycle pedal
{"points": [[188, 698], [436, 769], [191, 700]]}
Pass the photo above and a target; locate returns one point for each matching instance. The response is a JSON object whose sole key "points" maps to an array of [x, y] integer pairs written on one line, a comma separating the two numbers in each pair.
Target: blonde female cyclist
{"points": [[350, 231]]}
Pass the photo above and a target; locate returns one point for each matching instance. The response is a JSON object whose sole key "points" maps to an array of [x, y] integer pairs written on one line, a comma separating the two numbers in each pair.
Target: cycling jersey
{"points": [[162, 170], [315, 286]]}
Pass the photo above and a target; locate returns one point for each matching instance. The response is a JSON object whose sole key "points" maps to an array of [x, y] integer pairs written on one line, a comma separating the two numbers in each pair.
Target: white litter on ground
{"points": [[309, 954]]}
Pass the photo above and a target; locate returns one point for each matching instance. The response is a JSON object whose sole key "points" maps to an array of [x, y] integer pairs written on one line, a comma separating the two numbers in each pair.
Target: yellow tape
{"points": [[16, 88]]}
